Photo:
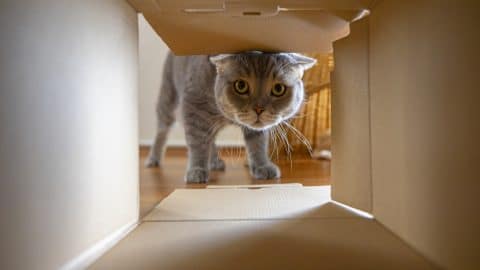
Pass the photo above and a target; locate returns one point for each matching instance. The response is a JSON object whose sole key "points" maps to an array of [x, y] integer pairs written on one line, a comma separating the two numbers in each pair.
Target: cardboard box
{"points": [[214, 26], [276, 227], [405, 135]]}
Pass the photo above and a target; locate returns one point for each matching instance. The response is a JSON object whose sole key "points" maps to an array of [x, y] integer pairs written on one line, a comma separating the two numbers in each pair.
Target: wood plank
{"points": [[157, 183]]}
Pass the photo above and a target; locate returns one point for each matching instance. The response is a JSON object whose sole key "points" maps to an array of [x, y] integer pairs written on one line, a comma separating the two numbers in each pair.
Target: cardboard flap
{"points": [[214, 26], [288, 185], [334, 244], [282, 202]]}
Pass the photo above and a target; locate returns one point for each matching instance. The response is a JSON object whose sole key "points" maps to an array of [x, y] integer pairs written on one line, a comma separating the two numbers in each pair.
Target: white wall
{"points": [[68, 136], [153, 52]]}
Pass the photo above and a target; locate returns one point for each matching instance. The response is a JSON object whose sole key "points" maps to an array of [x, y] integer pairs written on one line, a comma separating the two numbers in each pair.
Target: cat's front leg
{"points": [[198, 162], [199, 139], [261, 167]]}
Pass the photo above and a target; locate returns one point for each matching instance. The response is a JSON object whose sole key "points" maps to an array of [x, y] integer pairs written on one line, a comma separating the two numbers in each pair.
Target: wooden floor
{"points": [[157, 183]]}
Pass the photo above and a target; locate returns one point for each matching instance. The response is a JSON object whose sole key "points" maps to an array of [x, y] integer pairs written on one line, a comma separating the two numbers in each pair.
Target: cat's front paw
{"points": [[196, 175], [268, 171]]}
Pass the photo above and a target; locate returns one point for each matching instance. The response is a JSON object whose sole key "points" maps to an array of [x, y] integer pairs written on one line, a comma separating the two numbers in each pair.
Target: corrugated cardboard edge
{"points": [[289, 185]]}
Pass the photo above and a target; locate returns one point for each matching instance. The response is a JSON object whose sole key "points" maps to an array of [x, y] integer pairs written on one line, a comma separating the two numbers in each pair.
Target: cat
{"points": [[253, 90]]}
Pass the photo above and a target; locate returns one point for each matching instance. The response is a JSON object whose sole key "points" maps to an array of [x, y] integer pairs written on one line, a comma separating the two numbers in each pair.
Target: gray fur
{"points": [[203, 87]]}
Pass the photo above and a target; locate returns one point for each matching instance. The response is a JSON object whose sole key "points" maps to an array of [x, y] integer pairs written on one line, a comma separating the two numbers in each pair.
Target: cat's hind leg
{"points": [[157, 149], [167, 103]]}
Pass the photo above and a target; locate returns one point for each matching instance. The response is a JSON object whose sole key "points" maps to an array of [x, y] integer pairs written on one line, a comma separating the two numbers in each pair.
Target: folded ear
{"points": [[303, 61], [220, 60], [216, 59]]}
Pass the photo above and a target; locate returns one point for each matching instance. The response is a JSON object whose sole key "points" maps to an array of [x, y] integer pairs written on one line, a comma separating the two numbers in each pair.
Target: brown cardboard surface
{"points": [[420, 61], [425, 95], [214, 26], [351, 174], [333, 241], [248, 204], [282, 244]]}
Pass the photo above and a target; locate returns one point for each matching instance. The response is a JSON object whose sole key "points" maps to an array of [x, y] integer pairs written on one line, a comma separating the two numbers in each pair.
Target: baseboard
{"points": [[143, 142], [89, 256]]}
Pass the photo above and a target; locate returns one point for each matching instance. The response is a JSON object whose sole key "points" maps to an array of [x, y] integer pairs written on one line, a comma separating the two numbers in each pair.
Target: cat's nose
{"points": [[259, 110]]}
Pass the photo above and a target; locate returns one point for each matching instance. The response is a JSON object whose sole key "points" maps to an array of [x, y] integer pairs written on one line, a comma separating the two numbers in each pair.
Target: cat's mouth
{"points": [[258, 124], [255, 125]]}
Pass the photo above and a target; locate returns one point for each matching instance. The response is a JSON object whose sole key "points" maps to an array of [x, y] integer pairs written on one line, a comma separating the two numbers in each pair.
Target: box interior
{"points": [[404, 136], [290, 227]]}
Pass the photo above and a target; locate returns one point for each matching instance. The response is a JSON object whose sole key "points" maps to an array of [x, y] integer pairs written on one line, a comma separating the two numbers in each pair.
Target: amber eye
{"points": [[241, 87], [279, 90]]}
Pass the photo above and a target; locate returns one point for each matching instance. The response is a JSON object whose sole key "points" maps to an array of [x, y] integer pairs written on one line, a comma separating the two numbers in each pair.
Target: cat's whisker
{"points": [[280, 142], [300, 137], [274, 142], [288, 147], [299, 116], [297, 133], [270, 139]]}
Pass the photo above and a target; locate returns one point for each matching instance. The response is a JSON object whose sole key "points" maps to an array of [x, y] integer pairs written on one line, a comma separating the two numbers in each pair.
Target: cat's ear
{"points": [[220, 61], [302, 61], [217, 59]]}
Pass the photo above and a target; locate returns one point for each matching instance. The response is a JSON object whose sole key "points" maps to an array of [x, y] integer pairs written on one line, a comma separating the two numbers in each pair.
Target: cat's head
{"points": [[260, 90]]}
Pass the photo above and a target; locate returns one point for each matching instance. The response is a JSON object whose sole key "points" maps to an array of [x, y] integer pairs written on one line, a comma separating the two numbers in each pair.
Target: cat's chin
{"points": [[258, 126]]}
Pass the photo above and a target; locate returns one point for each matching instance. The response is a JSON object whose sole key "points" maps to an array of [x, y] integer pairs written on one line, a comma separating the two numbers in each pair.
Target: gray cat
{"points": [[253, 90]]}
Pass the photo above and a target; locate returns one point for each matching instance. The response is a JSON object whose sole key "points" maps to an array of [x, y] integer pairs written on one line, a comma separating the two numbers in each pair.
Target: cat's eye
{"points": [[241, 87], [279, 90]]}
